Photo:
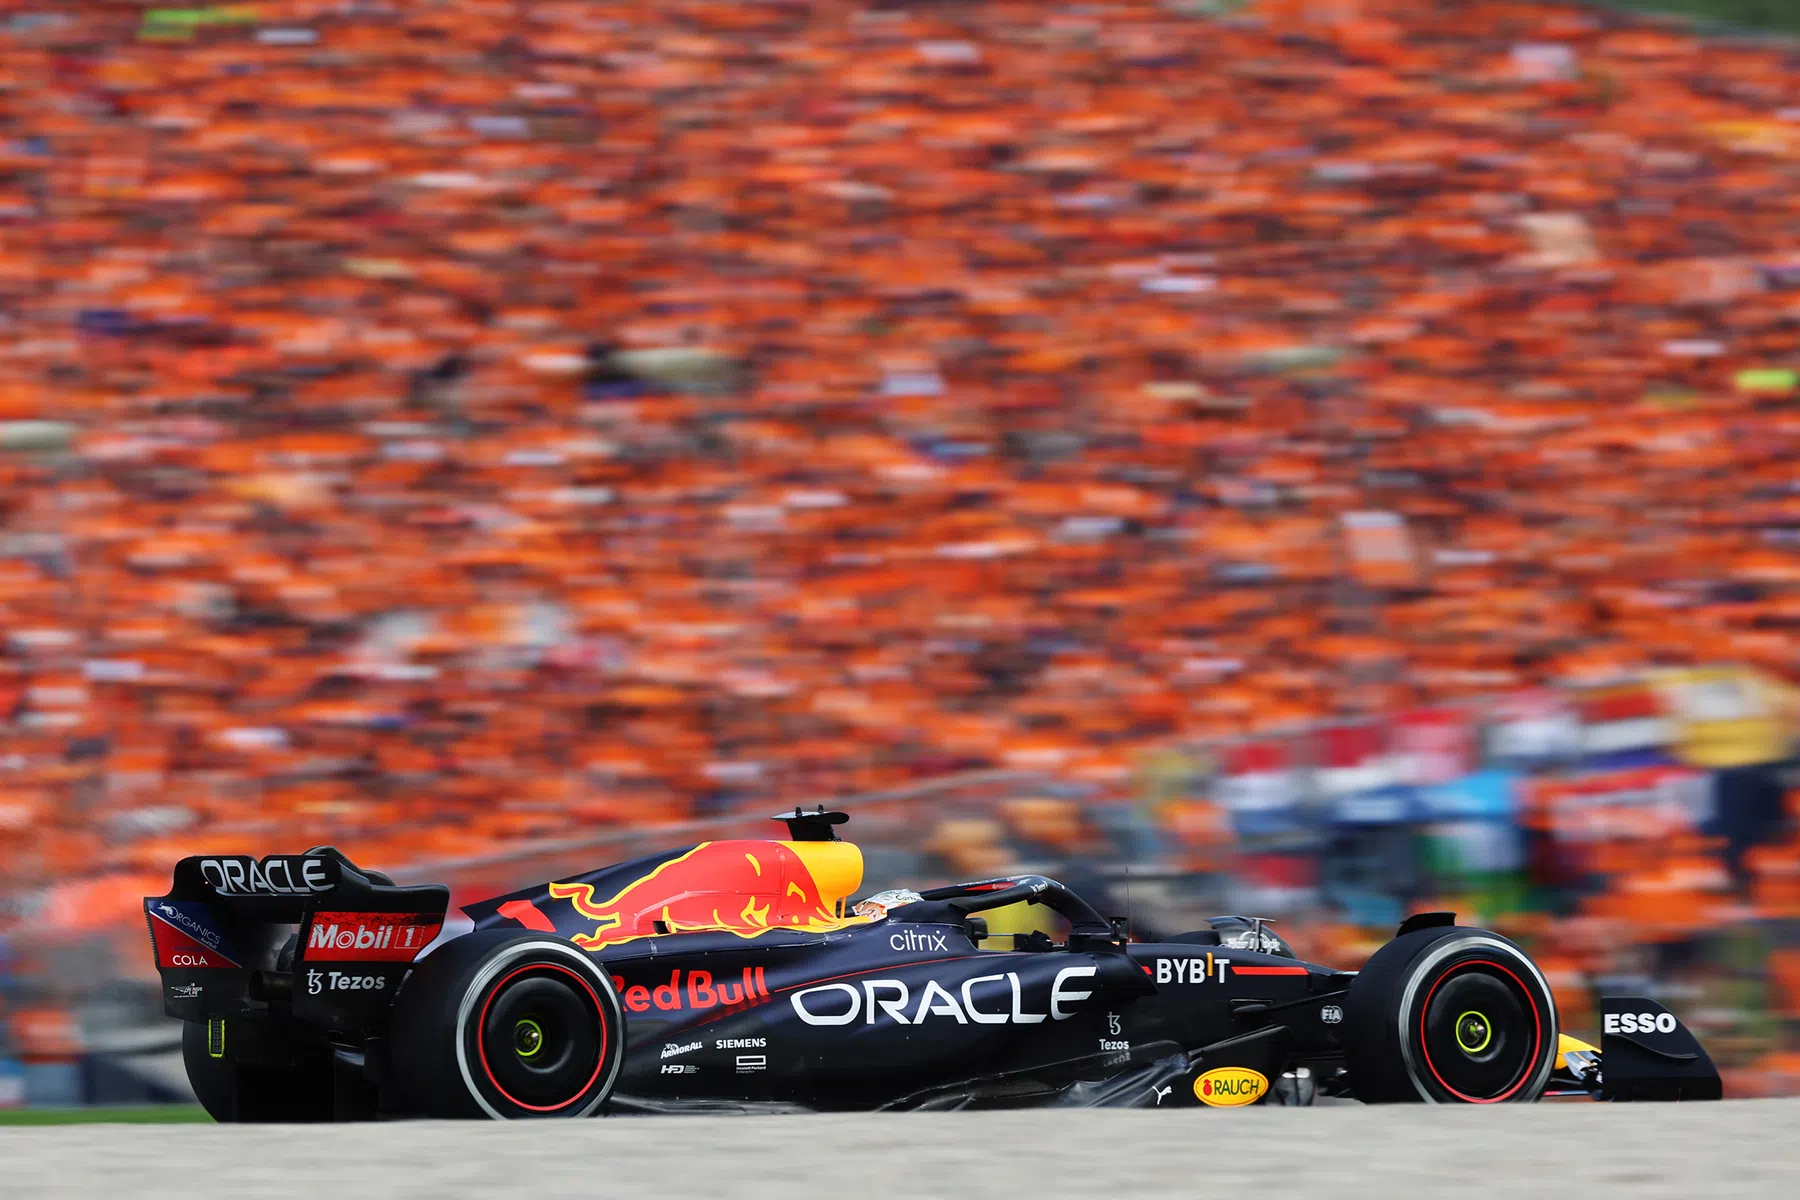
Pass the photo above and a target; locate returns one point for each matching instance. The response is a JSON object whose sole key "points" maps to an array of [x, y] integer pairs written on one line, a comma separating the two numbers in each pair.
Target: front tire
{"points": [[1450, 1016], [508, 1026]]}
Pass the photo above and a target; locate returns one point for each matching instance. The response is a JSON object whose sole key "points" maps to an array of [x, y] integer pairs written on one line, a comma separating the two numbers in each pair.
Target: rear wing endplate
{"points": [[218, 933]]}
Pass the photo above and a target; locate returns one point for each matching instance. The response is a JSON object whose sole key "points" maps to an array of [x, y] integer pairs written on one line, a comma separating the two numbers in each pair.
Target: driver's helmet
{"points": [[876, 907]]}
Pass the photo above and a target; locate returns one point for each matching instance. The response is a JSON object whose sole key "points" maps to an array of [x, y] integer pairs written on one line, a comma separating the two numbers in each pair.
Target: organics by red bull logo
{"points": [[742, 887]]}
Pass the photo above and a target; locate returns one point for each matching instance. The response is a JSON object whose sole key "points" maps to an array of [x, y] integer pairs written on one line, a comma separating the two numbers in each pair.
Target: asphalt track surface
{"points": [[1745, 1149]]}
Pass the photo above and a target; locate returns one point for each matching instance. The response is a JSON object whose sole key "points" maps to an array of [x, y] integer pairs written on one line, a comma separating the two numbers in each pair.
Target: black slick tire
{"points": [[507, 1026], [1450, 1015]]}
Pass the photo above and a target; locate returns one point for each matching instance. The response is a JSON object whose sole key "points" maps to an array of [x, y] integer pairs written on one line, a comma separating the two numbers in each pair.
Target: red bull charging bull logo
{"points": [[741, 887]]}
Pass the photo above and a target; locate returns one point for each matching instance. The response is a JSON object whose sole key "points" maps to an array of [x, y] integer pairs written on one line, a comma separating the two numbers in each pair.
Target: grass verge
{"points": [[146, 1114], [1782, 15]]}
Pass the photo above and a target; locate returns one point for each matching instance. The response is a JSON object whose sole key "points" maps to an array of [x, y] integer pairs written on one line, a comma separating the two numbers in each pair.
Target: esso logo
{"points": [[1639, 1023]]}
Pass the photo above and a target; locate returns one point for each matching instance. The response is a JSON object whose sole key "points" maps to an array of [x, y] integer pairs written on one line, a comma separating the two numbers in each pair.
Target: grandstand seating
{"points": [[431, 426]]}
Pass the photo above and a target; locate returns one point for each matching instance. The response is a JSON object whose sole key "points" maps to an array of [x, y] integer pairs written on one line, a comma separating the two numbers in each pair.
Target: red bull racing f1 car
{"points": [[738, 976]]}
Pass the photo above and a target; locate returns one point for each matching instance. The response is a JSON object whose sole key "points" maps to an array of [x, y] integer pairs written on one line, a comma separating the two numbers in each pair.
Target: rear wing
{"points": [[219, 932]]}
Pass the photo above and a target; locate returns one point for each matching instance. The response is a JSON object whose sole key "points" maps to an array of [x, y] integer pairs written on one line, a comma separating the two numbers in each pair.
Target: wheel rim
{"points": [[1474, 1032], [528, 1037], [1480, 1031], [542, 1038]]}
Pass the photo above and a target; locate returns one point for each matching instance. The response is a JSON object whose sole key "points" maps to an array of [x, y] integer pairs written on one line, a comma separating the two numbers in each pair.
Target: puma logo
{"points": [[1160, 1093]]}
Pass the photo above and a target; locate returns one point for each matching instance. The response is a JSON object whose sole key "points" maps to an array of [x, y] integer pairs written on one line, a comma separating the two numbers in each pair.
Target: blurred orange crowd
{"points": [[432, 424]]}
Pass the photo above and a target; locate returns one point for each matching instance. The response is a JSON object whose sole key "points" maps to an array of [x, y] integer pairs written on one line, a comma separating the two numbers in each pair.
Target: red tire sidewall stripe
{"points": [[1537, 1030], [481, 1042]]}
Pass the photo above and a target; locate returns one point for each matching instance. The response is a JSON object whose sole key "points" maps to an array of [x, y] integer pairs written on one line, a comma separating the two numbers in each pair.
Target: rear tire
{"points": [[232, 1093], [1450, 1015], [508, 1026]]}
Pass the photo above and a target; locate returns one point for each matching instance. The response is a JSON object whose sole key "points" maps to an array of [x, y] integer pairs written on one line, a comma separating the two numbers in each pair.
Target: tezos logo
{"points": [[1230, 1087], [671, 1049], [338, 981], [1639, 1023], [913, 939], [1331, 1014]]}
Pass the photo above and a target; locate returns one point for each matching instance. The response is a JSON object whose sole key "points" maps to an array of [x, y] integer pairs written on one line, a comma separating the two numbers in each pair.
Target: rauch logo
{"points": [[1230, 1087]]}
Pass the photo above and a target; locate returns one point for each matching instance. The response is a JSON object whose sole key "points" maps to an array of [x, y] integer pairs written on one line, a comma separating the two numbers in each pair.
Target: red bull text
{"points": [[693, 991]]}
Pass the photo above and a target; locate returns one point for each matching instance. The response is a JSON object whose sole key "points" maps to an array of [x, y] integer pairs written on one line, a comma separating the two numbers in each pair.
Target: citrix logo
{"points": [[913, 939]]}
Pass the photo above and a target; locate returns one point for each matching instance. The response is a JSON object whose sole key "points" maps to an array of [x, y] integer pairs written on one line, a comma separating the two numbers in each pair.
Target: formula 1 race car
{"points": [[736, 976]]}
